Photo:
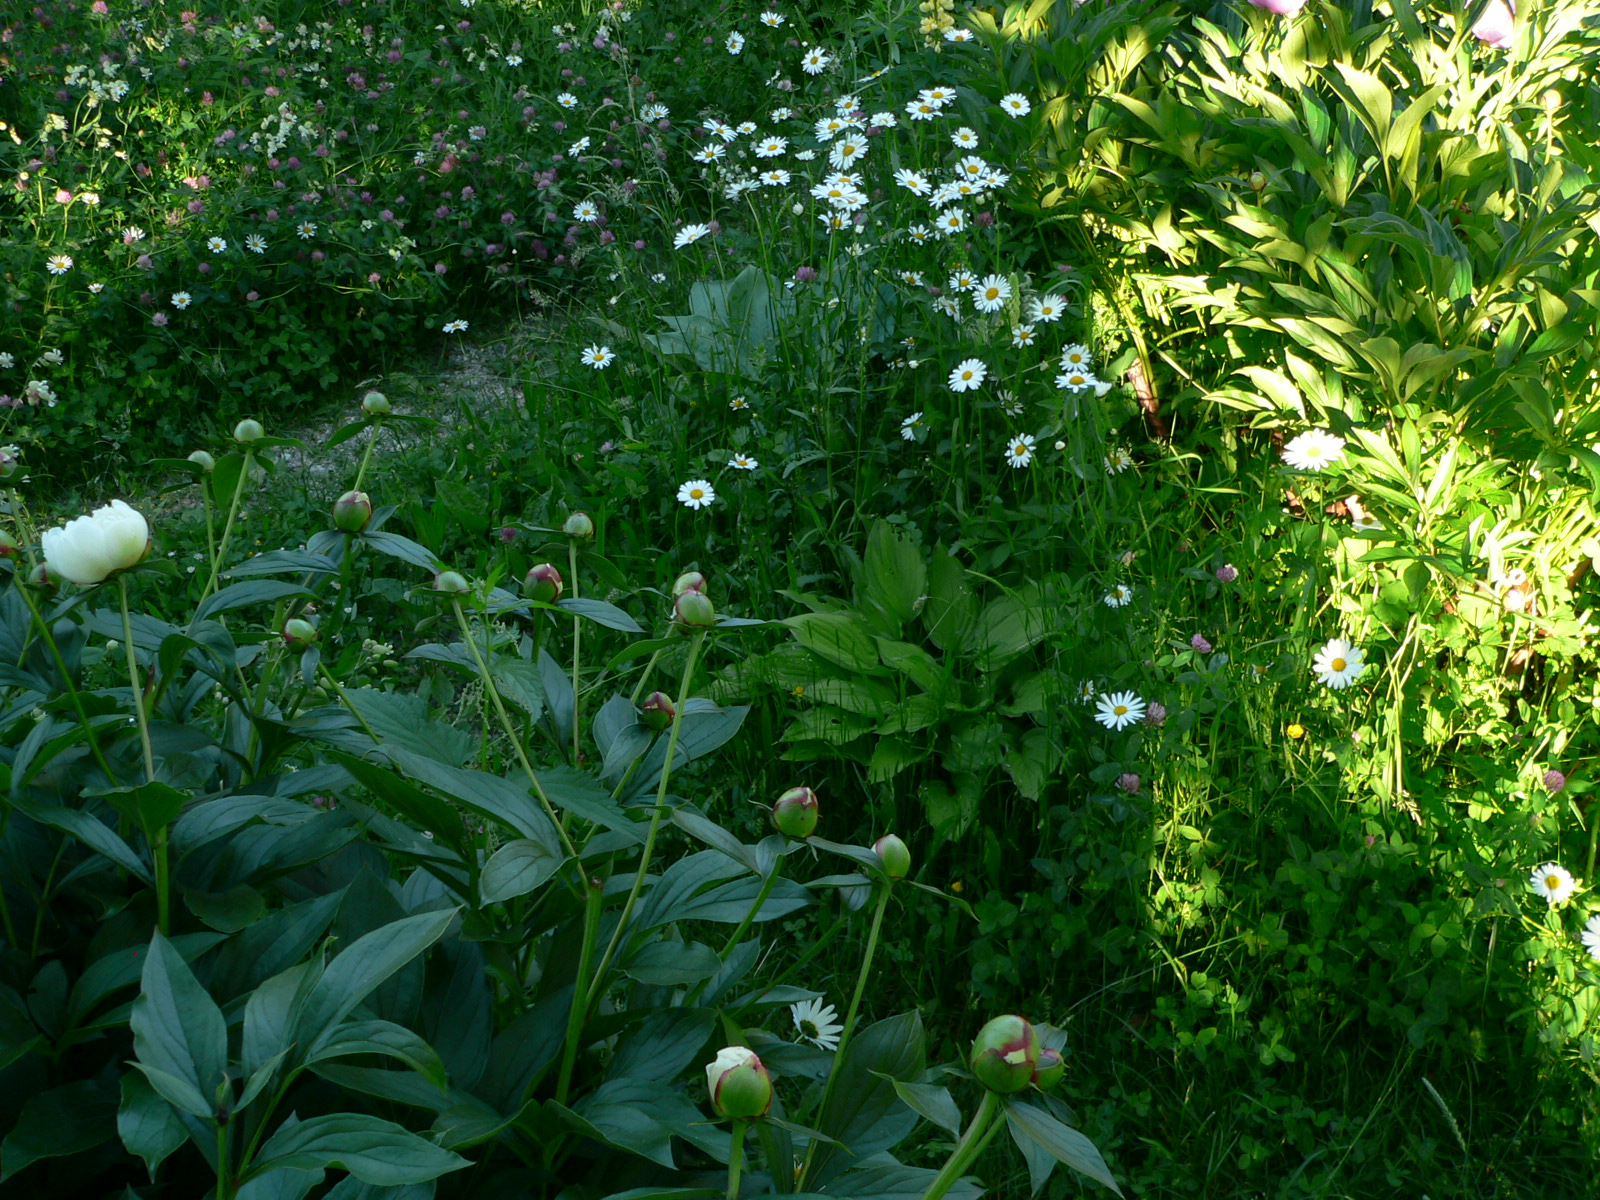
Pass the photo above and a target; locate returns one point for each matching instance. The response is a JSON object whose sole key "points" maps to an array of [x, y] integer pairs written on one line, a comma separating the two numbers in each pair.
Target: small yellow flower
{"points": [[799, 690], [1296, 731], [958, 887]]}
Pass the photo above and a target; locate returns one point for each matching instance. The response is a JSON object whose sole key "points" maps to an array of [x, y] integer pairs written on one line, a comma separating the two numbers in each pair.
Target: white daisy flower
{"points": [[958, 35], [1313, 450], [775, 178], [1338, 663], [914, 182], [991, 293], [696, 494], [1016, 104], [1020, 452], [654, 112], [1118, 460], [921, 110], [1590, 937], [58, 264], [456, 326], [909, 427], [255, 243], [847, 150], [939, 96], [1021, 336], [577, 147], [771, 19], [1076, 358], [817, 1023], [599, 357], [968, 375], [743, 462], [884, 120], [1076, 381], [586, 211], [567, 100], [1047, 309], [1119, 710], [1553, 883], [181, 300], [815, 61], [688, 235], [951, 221], [745, 128], [306, 230], [781, 114], [709, 153], [965, 138], [738, 404], [1118, 596], [735, 42], [771, 147], [216, 245], [920, 234]]}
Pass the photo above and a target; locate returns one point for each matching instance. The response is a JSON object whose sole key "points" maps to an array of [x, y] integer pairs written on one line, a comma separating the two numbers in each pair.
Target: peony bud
{"points": [[206, 462], [694, 610], [352, 512], [112, 538], [1258, 180], [298, 633], [42, 579], [1005, 1054], [8, 546], [248, 431], [896, 857], [795, 813], [739, 1085], [689, 581], [657, 711], [1052, 1067], [579, 527], [375, 404], [1497, 26], [542, 583], [452, 582]]}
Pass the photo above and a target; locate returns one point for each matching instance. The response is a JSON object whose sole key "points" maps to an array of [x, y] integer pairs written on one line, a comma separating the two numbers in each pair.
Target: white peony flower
{"points": [[112, 538]]}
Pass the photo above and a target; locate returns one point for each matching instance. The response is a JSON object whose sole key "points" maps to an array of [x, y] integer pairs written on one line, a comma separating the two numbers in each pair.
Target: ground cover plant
{"points": [[1141, 455]]}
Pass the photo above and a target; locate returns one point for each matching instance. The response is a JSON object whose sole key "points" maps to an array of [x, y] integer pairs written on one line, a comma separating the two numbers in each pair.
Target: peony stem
{"points": [[158, 840], [736, 1158], [77, 700], [366, 456], [972, 1142], [577, 638], [227, 528]]}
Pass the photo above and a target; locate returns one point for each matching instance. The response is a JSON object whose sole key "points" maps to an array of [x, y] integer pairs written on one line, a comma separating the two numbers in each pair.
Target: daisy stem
{"points": [[577, 636], [736, 1159], [849, 1026]]}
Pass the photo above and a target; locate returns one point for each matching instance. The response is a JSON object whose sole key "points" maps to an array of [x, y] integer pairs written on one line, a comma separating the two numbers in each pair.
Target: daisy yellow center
{"points": [[1120, 710], [809, 1028], [696, 493], [1337, 664], [1313, 451], [1019, 449], [1553, 882], [991, 293], [966, 374]]}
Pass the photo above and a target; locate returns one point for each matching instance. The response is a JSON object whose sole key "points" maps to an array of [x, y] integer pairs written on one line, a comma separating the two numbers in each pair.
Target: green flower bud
{"points": [[795, 813], [689, 581], [42, 578], [298, 633], [247, 431], [10, 460], [694, 610], [1050, 1070], [542, 583], [375, 404], [1005, 1054], [896, 857], [451, 582], [206, 462], [657, 711], [9, 547], [739, 1085], [1258, 180], [579, 527], [352, 512]]}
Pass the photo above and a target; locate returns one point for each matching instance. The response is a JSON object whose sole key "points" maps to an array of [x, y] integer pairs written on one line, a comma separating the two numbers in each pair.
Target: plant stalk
{"points": [[227, 527], [971, 1144], [736, 1158], [593, 897]]}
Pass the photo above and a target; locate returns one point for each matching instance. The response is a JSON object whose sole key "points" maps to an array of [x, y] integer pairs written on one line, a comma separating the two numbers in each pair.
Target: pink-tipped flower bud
{"points": [[1282, 8], [41, 578], [656, 712], [1258, 181], [795, 813], [542, 583], [299, 634], [1005, 1054], [694, 610], [375, 404], [895, 855], [579, 526], [204, 460], [352, 512], [248, 431], [1050, 1070], [451, 582], [1497, 27], [9, 547], [739, 1085], [689, 581]]}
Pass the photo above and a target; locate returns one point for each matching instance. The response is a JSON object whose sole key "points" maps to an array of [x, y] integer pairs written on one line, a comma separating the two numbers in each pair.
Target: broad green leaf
{"points": [[402, 718], [62, 1121], [179, 1032], [388, 1039], [894, 573], [374, 1151], [351, 1188], [149, 1126], [865, 1113], [579, 794], [841, 638], [601, 613], [360, 969], [417, 806], [1063, 1143], [247, 592], [89, 830], [931, 1101], [516, 869], [663, 1044], [663, 964]]}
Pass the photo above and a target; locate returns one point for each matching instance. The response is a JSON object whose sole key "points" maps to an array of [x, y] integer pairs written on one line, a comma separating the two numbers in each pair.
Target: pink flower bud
{"points": [[1005, 1054], [894, 853], [543, 583], [657, 711], [795, 813], [1497, 27], [352, 512]]}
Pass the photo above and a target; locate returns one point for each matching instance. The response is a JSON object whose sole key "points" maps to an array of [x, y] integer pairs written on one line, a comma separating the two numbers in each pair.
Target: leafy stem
{"points": [[736, 1158], [982, 1127], [227, 526]]}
